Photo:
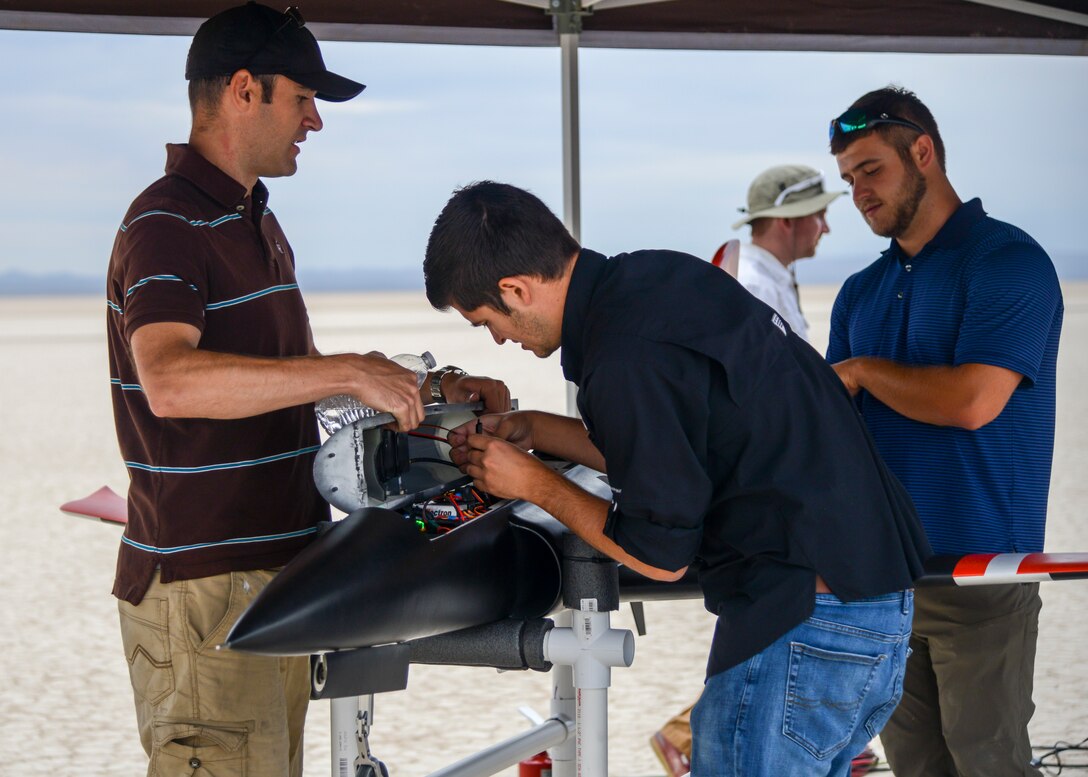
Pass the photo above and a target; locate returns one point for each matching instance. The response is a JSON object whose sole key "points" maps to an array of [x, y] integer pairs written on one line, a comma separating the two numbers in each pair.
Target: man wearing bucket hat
{"points": [[787, 208], [214, 373]]}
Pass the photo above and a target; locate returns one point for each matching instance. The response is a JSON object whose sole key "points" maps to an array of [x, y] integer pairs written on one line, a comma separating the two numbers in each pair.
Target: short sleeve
{"points": [[159, 273], [838, 344], [647, 410], [1013, 295]]}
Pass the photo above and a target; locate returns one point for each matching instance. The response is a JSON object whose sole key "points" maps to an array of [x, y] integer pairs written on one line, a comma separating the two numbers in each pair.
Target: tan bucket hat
{"points": [[786, 191]]}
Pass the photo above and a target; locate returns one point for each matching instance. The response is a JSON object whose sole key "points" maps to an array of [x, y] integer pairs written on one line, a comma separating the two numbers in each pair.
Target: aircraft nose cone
{"points": [[373, 579]]}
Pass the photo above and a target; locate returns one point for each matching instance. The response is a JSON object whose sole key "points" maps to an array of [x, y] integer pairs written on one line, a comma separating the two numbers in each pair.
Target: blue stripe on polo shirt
{"points": [[126, 386], [218, 467], [115, 307], [151, 278], [250, 297], [191, 222], [235, 541]]}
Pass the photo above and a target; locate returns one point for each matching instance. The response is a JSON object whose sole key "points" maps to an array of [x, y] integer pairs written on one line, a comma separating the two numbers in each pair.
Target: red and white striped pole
{"points": [[1000, 568]]}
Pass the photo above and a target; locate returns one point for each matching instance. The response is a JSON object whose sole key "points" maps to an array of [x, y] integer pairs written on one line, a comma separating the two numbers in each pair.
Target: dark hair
{"points": [[902, 104], [208, 91], [489, 231]]}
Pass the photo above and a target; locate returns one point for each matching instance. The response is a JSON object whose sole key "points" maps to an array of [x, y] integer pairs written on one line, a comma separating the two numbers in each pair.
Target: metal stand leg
{"points": [[351, 719], [509, 752], [344, 720]]}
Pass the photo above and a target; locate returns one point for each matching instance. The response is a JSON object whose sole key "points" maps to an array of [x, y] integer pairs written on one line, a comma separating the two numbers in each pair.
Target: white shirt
{"points": [[767, 280]]}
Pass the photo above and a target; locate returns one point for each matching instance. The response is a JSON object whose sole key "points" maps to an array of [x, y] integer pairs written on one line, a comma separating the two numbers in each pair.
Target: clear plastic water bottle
{"points": [[336, 412]]}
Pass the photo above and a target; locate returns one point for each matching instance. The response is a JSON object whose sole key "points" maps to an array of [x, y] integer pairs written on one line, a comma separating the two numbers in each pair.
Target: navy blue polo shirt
{"points": [[980, 292], [731, 446]]}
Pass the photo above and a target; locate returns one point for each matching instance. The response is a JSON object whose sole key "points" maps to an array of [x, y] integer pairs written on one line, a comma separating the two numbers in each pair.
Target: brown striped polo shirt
{"points": [[208, 496]]}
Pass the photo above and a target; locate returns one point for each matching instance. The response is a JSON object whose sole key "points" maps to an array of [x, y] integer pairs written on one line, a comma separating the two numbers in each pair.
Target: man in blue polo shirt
{"points": [[949, 343]]}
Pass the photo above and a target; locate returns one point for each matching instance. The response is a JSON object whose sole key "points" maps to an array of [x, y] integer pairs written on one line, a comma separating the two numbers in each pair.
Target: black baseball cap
{"points": [[264, 41]]}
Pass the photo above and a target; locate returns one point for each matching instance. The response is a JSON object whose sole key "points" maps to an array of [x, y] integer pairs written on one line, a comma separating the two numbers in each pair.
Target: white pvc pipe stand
{"points": [[591, 647], [563, 705]]}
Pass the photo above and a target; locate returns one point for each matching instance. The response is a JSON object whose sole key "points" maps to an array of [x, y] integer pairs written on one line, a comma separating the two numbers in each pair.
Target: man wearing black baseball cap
{"points": [[264, 41], [214, 375]]}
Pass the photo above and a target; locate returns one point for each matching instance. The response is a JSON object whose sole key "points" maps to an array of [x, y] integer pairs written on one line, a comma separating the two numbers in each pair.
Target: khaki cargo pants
{"points": [[204, 712]]}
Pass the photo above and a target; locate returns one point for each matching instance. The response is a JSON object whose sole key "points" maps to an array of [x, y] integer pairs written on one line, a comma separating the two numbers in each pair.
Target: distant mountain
{"points": [[361, 279], [19, 283], [829, 269], [16, 283]]}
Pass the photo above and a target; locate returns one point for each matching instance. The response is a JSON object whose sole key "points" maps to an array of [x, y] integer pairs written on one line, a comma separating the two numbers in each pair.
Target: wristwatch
{"points": [[436, 381]]}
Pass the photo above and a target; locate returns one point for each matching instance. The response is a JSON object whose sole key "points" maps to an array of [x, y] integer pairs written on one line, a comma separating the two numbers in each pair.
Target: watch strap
{"points": [[436, 381]]}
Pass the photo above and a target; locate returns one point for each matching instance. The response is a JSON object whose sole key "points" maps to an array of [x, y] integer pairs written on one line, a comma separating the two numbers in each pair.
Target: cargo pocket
{"points": [[824, 696], [212, 604], [147, 649], [200, 748]]}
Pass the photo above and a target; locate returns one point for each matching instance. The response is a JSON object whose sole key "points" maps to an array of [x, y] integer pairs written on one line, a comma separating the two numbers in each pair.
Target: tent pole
{"points": [[568, 20], [572, 196]]}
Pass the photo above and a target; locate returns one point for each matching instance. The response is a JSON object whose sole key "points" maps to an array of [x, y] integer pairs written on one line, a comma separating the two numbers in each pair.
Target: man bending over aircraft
{"points": [[730, 446]]}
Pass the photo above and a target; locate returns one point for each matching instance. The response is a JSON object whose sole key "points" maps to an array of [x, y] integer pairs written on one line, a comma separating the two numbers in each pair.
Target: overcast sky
{"points": [[670, 141]]}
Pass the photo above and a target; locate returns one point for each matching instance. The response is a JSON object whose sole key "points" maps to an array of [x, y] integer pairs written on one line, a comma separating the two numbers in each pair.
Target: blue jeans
{"points": [[811, 701]]}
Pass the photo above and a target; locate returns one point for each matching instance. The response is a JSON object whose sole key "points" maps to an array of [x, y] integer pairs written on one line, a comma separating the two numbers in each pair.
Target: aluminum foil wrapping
{"points": [[336, 412]]}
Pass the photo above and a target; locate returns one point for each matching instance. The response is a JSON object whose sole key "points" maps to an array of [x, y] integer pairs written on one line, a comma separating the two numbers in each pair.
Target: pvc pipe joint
{"points": [[592, 647]]}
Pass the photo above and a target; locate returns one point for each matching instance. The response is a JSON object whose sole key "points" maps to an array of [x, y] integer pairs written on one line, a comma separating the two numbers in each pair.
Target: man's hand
{"points": [[515, 428], [495, 458], [470, 388], [848, 375], [502, 469], [385, 386]]}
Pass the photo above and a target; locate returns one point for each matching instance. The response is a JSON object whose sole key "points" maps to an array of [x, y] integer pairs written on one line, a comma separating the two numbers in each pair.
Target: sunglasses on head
{"points": [[856, 120], [291, 16]]}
